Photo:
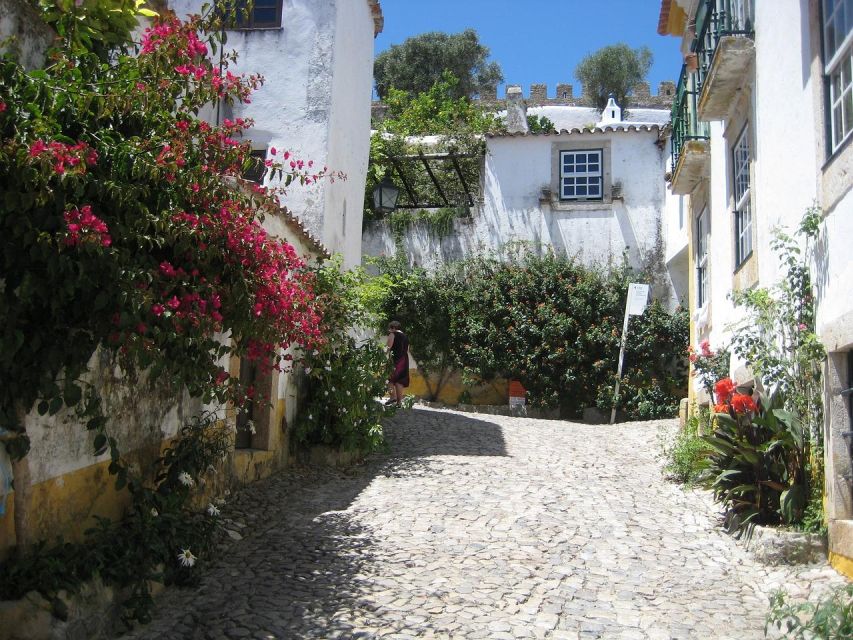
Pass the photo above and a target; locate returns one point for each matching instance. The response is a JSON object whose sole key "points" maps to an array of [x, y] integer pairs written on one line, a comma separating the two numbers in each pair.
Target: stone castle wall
{"points": [[537, 96]]}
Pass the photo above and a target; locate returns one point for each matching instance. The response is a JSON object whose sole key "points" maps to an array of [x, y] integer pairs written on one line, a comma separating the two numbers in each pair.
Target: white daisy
{"points": [[307, 370], [185, 479], [186, 558], [310, 416], [154, 512], [328, 368], [250, 425], [212, 510], [315, 353]]}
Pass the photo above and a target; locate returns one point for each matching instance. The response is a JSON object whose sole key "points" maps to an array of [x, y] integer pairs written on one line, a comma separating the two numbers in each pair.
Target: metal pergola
{"points": [[412, 163]]}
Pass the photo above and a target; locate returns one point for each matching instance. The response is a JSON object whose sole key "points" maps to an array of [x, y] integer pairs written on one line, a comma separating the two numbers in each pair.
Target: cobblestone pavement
{"points": [[479, 526]]}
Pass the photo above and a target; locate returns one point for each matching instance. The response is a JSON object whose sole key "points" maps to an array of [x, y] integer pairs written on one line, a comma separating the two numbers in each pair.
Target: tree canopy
{"points": [[418, 63], [613, 69]]}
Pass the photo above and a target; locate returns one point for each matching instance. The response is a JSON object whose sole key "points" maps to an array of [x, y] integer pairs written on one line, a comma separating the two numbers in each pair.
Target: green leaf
{"points": [[100, 444], [792, 502]]}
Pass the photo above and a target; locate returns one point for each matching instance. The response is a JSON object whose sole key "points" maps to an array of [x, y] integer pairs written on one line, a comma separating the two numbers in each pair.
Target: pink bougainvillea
{"points": [[84, 226]]}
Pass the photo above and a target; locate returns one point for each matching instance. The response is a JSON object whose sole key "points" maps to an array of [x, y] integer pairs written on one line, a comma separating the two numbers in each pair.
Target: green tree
{"points": [[420, 62], [613, 69]]}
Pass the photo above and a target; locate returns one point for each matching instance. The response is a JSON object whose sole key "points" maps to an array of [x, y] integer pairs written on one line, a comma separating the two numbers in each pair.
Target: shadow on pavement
{"points": [[303, 569], [422, 433]]}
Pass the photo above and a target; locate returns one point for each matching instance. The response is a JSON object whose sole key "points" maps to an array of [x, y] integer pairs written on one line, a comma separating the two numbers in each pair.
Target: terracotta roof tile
{"points": [[378, 18], [584, 130], [663, 19]]}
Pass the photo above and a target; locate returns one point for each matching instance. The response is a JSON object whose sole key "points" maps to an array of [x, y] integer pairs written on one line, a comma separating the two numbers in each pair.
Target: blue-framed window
{"points": [[581, 175], [742, 197]]}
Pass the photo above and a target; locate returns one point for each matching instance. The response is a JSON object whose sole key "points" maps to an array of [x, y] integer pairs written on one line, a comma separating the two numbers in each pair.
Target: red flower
{"points": [[721, 408], [157, 309], [743, 403], [173, 302], [2, 107], [705, 346], [724, 389]]}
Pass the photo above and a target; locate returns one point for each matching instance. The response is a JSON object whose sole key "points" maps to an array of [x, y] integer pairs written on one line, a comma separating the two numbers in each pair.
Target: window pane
{"points": [[265, 16], [580, 157], [847, 113]]}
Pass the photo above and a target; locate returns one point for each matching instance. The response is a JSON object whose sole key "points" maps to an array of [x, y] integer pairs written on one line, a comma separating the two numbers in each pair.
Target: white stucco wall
{"points": [[349, 128], [833, 276], [786, 169], [516, 169], [315, 103]]}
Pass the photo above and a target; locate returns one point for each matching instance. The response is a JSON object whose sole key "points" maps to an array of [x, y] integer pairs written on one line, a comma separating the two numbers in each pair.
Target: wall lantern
{"points": [[385, 196]]}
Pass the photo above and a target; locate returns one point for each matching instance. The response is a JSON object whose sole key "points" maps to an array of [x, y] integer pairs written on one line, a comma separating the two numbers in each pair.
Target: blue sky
{"points": [[539, 41]]}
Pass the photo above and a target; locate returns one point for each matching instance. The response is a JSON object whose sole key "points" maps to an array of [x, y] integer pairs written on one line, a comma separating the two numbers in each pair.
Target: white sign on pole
{"points": [[638, 297]]}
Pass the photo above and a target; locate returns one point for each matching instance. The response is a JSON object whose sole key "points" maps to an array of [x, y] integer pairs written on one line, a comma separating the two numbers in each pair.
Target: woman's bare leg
{"points": [[399, 389]]}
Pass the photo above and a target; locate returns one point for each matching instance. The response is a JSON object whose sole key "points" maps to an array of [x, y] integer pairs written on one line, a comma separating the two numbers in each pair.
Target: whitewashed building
{"points": [[594, 190], [762, 130], [317, 60]]}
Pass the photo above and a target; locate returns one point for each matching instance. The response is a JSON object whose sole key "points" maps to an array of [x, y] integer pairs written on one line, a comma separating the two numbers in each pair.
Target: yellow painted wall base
{"points": [[66, 505], [842, 564], [7, 527], [496, 392]]}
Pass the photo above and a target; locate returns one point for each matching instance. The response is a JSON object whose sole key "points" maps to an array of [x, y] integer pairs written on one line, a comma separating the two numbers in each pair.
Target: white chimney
{"points": [[612, 113], [516, 110]]}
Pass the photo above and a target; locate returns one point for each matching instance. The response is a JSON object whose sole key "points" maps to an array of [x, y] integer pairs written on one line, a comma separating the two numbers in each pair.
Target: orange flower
{"points": [[724, 389], [743, 403], [721, 408]]}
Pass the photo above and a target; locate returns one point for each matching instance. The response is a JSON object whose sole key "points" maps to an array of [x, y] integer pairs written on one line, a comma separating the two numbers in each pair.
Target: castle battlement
{"points": [[538, 96]]}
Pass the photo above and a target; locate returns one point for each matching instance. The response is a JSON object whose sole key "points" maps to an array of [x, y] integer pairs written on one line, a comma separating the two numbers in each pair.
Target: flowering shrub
{"points": [[708, 366], [754, 459], [162, 539], [124, 224], [777, 338], [551, 323], [347, 372]]}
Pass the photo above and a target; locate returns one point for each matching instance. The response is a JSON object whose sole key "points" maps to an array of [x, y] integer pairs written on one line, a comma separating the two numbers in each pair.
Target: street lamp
{"points": [[385, 195]]}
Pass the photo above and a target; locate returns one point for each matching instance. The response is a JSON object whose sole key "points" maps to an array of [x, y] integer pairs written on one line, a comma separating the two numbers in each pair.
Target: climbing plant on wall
{"points": [[454, 125], [124, 225]]}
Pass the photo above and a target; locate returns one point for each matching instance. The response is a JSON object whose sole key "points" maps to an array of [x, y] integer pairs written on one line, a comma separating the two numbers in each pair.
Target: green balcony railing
{"points": [[685, 124], [716, 19]]}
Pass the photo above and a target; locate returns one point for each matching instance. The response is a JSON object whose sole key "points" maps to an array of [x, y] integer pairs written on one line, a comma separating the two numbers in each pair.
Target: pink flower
{"points": [[802, 326], [173, 302], [2, 107], [157, 309], [167, 269], [273, 151]]}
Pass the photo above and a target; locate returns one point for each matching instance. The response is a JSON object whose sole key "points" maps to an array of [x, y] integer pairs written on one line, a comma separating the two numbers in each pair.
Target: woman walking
{"points": [[398, 343]]}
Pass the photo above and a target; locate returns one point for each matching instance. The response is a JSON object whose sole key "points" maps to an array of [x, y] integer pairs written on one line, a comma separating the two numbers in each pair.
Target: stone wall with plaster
{"points": [[315, 103], [518, 205]]}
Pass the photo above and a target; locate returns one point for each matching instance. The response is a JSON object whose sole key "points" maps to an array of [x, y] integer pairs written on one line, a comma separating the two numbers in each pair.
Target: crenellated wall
{"points": [[538, 95]]}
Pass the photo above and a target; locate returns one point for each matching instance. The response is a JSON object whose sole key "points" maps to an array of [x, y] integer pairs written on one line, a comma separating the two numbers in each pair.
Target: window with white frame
{"points": [[702, 234], [838, 65], [581, 174], [743, 206]]}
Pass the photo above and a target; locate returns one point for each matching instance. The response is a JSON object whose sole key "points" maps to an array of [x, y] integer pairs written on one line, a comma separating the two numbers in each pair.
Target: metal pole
{"points": [[621, 358]]}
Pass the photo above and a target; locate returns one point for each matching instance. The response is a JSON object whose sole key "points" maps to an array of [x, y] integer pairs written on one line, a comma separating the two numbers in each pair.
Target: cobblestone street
{"points": [[476, 526]]}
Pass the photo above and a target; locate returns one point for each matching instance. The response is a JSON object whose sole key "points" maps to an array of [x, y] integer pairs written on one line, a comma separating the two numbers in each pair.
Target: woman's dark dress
{"points": [[400, 356]]}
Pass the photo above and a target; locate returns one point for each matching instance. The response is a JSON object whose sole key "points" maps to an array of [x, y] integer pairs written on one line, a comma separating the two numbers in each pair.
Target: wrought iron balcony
{"points": [[725, 49], [690, 146]]}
